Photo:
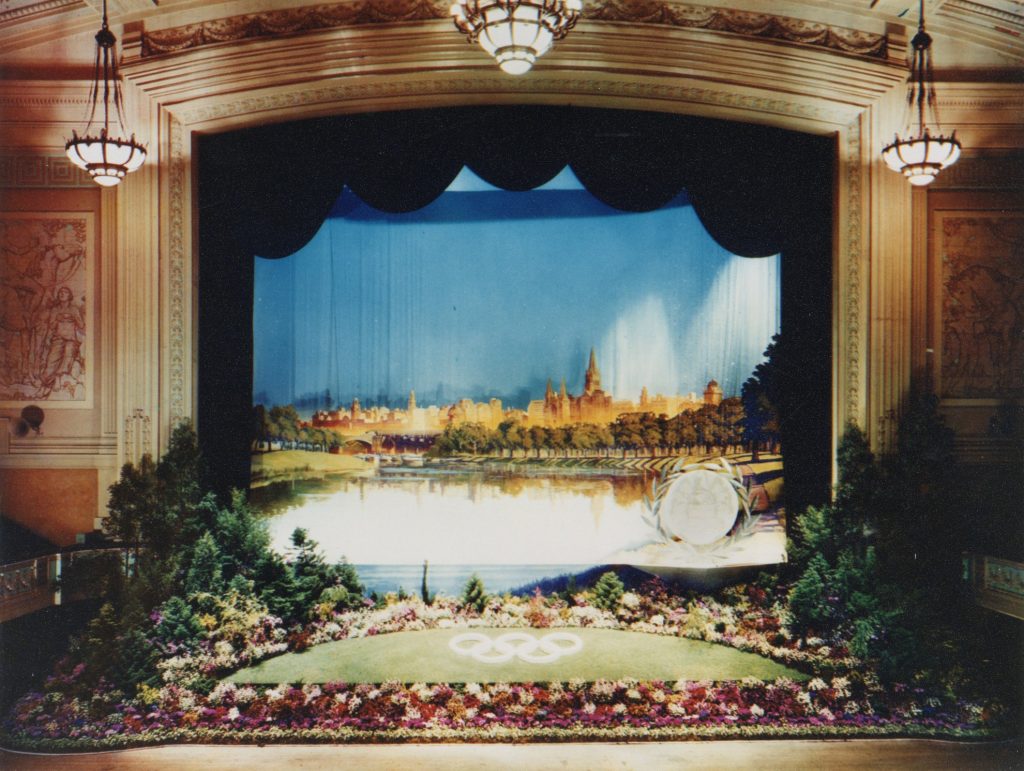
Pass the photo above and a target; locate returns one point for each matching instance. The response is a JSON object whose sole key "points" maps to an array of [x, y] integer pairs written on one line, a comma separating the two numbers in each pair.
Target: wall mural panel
{"points": [[45, 308], [982, 256]]}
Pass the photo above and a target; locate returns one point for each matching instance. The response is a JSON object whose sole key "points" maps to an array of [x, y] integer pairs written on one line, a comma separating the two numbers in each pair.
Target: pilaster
{"points": [[136, 257], [889, 318]]}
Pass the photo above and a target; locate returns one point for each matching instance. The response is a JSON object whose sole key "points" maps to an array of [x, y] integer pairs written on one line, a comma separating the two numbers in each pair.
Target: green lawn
{"points": [[301, 464], [425, 657]]}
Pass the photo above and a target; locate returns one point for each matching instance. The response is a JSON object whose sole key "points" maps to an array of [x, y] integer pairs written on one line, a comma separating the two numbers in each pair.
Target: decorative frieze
{"points": [[329, 16], [990, 172], [33, 171]]}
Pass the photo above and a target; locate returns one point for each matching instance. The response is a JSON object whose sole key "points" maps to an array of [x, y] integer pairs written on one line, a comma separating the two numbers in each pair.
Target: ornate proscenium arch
{"points": [[758, 191]]}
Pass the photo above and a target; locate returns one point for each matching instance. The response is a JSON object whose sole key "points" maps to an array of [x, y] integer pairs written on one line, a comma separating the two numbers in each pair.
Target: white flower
{"points": [[220, 691], [756, 711], [311, 691], [817, 684], [618, 709], [245, 695], [273, 694], [630, 600], [841, 686], [233, 713], [590, 708]]}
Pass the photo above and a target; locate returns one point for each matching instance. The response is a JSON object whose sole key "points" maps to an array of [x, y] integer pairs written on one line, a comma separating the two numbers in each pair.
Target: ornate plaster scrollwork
{"points": [[320, 17], [852, 256], [137, 435], [177, 278]]}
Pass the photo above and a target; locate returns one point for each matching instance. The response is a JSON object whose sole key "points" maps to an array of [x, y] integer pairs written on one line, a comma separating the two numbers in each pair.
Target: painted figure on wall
{"points": [[43, 308], [983, 307]]}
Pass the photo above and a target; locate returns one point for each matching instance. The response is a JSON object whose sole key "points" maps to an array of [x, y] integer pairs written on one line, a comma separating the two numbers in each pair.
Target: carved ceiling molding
{"points": [[24, 11], [15, 101], [655, 12], [398, 91]]}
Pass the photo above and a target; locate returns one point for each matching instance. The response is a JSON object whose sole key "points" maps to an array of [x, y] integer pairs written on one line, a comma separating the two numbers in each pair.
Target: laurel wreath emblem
{"points": [[745, 522]]}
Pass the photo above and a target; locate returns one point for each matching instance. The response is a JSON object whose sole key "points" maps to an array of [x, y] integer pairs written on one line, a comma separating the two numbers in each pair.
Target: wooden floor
{"points": [[732, 755]]}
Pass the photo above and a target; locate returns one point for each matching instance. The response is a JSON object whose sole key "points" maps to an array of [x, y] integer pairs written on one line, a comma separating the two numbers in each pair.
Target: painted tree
{"points": [[474, 595]]}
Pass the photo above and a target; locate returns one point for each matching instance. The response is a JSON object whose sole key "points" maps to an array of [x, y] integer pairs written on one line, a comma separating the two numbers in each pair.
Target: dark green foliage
{"points": [[880, 565], [424, 586], [608, 591], [178, 625], [832, 547], [97, 644], [134, 499], [204, 574], [136, 661], [279, 589], [474, 595], [808, 599], [241, 536]]}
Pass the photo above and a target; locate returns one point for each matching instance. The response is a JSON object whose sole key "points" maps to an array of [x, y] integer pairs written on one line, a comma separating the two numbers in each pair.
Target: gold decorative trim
{"points": [[764, 25], [328, 16], [310, 18], [377, 89], [852, 255], [176, 275], [25, 171]]}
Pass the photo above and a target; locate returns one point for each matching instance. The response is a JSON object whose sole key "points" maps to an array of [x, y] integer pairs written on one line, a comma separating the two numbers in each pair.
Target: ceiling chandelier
{"points": [[921, 155], [516, 32], [106, 155]]}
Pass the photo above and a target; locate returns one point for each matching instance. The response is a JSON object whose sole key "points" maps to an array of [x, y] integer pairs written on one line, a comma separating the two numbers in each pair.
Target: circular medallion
{"points": [[700, 507]]}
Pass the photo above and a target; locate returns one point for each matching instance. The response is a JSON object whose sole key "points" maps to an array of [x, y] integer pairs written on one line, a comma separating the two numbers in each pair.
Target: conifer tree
{"points": [[204, 574], [474, 595], [608, 591]]}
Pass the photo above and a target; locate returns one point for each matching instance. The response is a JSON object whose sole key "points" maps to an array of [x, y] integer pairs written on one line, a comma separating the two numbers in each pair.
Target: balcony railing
{"points": [[34, 584]]}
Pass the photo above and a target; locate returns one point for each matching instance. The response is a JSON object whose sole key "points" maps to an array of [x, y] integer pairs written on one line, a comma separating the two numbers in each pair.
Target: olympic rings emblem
{"points": [[516, 644]]}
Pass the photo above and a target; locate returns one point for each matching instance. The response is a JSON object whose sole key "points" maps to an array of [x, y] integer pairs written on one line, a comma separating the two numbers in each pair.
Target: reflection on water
{"points": [[400, 516]]}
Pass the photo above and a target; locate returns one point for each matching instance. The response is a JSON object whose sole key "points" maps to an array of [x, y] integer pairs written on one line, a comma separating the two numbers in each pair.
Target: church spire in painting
{"points": [[592, 381]]}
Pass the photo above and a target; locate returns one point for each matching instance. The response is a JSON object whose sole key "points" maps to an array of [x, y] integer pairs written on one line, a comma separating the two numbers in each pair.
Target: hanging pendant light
{"points": [[106, 155], [922, 155], [516, 32]]}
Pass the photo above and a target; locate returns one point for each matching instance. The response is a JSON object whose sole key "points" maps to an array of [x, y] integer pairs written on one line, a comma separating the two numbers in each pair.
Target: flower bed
{"points": [[838, 699]]}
